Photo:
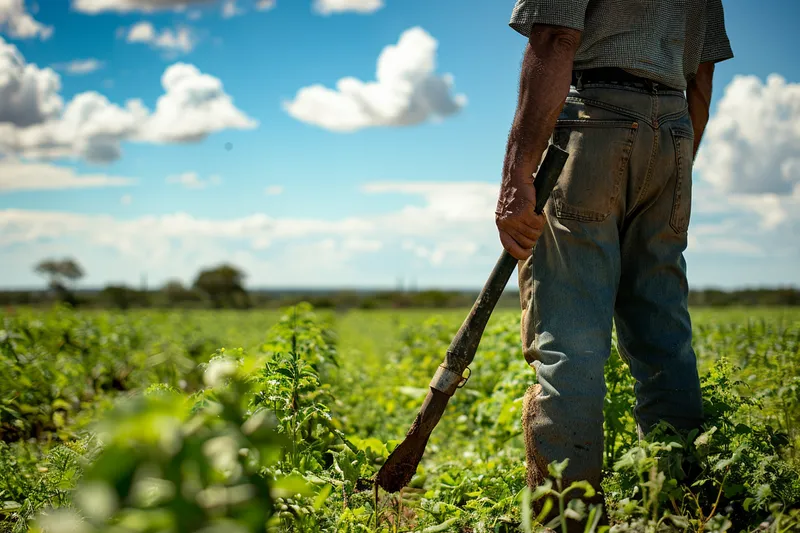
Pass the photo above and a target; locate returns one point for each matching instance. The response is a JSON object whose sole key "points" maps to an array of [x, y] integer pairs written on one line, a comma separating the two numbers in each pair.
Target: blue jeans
{"points": [[612, 250]]}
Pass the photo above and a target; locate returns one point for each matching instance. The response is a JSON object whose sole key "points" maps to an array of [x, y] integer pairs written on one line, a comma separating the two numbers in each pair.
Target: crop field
{"points": [[245, 421]]}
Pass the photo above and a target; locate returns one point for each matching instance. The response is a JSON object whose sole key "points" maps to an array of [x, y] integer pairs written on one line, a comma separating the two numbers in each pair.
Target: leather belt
{"points": [[616, 76]]}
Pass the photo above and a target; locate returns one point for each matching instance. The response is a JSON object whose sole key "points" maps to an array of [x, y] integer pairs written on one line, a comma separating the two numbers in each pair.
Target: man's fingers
{"points": [[526, 241], [530, 220], [513, 247], [528, 227]]}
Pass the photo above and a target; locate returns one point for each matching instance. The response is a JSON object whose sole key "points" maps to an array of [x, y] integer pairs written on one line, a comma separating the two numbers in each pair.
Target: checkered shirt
{"points": [[663, 40]]}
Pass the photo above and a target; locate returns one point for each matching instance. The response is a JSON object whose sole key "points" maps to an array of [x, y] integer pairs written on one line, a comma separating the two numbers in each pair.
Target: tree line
{"points": [[222, 286]]}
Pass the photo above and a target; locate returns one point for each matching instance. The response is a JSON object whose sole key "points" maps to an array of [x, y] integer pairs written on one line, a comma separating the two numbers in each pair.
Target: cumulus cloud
{"points": [[192, 180], [34, 122], [79, 67], [407, 91], [752, 144], [28, 95], [16, 22], [192, 106], [265, 5], [19, 176], [273, 190], [746, 201], [327, 7], [750, 156], [180, 40]]}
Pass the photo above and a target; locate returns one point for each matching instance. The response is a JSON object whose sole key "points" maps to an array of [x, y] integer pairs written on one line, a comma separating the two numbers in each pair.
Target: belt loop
{"points": [[578, 81]]}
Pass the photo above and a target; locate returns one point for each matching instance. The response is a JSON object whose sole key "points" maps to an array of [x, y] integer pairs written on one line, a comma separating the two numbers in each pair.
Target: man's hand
{"points": [[518, 223], [544, 86]]}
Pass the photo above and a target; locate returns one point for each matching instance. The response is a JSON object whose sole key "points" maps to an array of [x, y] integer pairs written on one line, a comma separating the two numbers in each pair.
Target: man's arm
{"points": [[698, 95], [544, 86]]}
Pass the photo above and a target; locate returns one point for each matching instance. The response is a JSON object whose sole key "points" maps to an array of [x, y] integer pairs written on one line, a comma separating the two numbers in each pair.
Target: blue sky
{"points": [[247, 159]]}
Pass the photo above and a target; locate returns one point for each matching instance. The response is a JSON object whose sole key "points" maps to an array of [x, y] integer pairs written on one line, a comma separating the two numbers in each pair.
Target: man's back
{"points": [[664, 41]]}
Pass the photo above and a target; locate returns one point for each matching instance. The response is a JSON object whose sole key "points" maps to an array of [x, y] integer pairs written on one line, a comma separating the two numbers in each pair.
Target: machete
{"points": [[401, 465]]}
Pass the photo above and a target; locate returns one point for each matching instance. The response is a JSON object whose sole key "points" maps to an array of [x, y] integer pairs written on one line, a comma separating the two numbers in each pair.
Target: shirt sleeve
{"points": [[567, 13], [716, 46]]}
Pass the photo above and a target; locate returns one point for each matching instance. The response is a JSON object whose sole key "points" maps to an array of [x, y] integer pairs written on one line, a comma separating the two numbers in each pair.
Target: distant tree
{"points": [[223, 285], [123, 297], [176, 293], [60, 274]]}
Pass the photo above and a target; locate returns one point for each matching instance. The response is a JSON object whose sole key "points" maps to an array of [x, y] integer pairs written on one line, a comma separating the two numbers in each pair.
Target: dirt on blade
{"points": [[402, 463]]}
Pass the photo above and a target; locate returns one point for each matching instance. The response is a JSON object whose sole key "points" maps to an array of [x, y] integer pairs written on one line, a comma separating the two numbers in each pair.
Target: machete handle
{"points": [[465, 343], [547, 176]]}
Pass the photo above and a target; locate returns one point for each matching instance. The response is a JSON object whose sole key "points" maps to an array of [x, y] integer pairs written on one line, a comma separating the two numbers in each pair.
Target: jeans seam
{"points": [[653, 157], [678, 194]]}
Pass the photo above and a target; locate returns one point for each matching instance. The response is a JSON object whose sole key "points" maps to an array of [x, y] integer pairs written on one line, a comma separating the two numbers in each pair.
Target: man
{"points": [[624, 87]]}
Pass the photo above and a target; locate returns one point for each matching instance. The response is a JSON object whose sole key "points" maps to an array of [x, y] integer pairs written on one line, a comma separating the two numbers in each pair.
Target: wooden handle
{"points": [[465, 343]]}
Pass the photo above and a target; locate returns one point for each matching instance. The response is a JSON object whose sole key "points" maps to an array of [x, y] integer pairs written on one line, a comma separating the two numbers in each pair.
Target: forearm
{"points": [[698, 96], [544, 85]]}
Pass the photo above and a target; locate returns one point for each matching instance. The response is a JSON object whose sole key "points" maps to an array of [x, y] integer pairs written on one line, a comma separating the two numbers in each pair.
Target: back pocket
{"points": [[591, 182], [682, 197]]}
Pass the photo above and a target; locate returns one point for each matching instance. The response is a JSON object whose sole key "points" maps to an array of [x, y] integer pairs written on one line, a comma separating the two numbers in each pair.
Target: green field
{"points": [[139, 421]]}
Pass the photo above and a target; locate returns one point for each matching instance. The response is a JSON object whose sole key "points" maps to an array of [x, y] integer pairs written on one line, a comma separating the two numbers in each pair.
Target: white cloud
{"points": [[443, 236], [407, 91], [749, 161], [78, 67], [724, 237], [28, 94], [192, 180], [265, 5], [752, 144], [16, 22], [229, 9], [179, 40], [34, 123], [448, 201], [273, 190], [446, 232], [141, 32], [93, 7], [192, 106], [126, 199], [327, 7], [437, 254], [20, 176], [747, 200]]}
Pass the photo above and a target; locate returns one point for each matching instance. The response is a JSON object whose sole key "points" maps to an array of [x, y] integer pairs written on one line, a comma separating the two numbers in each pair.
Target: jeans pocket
{"points": [[682, 197], [591, 181]]}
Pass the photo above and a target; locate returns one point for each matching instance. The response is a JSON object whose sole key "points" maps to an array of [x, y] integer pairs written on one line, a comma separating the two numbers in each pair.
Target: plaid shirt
{"points": [[661, 40]]}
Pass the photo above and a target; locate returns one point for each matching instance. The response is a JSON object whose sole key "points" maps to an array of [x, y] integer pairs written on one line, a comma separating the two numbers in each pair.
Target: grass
{"points": [[338, 391]]}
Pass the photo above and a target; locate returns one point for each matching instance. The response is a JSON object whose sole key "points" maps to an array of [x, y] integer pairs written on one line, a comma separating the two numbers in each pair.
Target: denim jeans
{"points": [[612, 250]]}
